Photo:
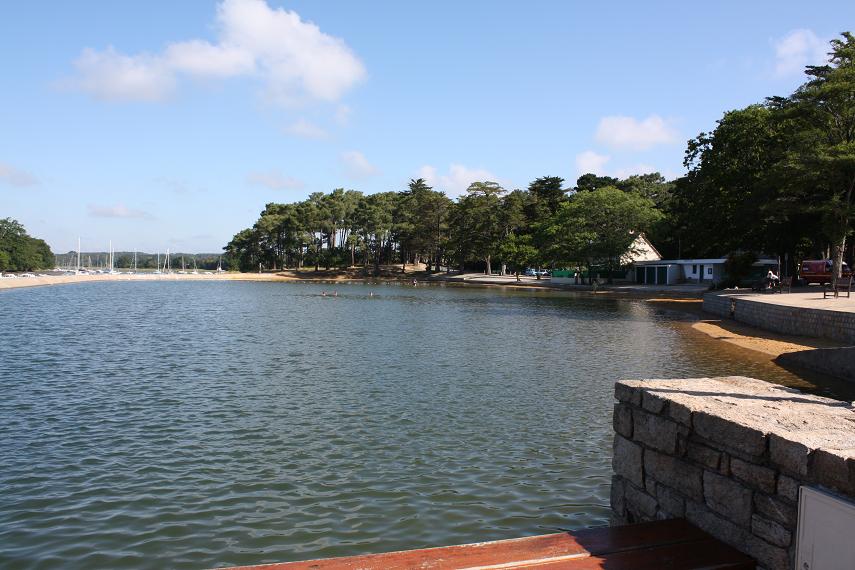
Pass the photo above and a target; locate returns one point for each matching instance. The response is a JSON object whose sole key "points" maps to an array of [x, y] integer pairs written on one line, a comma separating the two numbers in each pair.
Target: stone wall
{"points": [[800, 321], [839, 362], [728, 454]]}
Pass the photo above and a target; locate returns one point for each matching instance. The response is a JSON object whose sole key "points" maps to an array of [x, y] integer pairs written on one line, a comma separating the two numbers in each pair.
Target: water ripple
{"points": [[208, 424]]}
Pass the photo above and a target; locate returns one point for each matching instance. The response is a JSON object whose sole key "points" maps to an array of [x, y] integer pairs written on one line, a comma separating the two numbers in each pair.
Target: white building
{"points": [[673, 271]]}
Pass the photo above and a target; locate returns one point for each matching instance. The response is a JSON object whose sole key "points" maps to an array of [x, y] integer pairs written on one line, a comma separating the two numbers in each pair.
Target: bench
{"points": [[842, 287], [672, 544]]}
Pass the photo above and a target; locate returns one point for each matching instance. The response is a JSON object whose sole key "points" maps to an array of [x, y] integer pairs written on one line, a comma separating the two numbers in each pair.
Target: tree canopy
{"points": [[21, 252], [775, 177]]}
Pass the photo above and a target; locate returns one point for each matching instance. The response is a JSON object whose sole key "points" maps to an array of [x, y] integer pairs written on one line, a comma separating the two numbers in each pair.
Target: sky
{"points": [[163, 124]]}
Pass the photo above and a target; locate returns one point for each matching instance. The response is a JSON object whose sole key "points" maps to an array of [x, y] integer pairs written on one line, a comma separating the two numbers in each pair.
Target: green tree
{"points": [[518, 251], [652, 185], [513, 217], [821, 155], [373, 223], [243, 251], [547, 195], [727, 201], [21, 252], [588, 182], [601, 225], [477, 228]]}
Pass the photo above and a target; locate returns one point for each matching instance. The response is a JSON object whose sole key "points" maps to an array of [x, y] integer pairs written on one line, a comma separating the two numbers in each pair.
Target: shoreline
{"points": [[686, 303], [282, 276]]}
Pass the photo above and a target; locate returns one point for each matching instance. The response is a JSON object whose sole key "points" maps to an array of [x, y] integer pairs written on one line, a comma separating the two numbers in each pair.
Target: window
{"points": [[709, 270], [694, 269]]}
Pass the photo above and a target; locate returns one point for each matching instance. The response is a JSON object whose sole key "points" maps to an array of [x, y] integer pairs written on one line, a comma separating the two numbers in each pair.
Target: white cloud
{"points": [[203, 59], [356, 165], [305, 129], [629, 132], [294, 59], [112, 76], [117, 211], [16, 177], [295, 56], [591, 162], [798, 49], [457, 180], [274, 180]]}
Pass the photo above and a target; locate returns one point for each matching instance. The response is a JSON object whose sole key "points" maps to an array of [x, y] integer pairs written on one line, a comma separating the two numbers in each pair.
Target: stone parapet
{"points": [[729, 455]]}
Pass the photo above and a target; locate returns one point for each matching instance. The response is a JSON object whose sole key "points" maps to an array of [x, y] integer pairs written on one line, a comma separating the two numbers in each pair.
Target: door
{"points": [[700, 273], [650, 275], [824, 531], [661, 275]]}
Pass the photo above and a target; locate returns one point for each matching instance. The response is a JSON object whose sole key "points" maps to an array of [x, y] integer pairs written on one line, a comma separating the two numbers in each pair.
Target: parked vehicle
{"points": [[819, 271], [532, 272]]}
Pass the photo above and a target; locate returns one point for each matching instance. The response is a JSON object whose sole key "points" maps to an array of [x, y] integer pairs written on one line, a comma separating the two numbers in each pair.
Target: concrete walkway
{"points": [[803, 313], [810, 298]]}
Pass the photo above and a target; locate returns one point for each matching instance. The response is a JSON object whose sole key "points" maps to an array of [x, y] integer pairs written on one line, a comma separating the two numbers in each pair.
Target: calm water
{"points": [[193, 425]]}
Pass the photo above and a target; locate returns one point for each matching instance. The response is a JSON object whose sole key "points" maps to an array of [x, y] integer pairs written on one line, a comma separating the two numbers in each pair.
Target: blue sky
{"points": [[170, 124]]}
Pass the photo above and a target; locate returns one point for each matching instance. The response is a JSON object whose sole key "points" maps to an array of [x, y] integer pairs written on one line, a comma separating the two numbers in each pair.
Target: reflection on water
{"points": [[215, 423]]}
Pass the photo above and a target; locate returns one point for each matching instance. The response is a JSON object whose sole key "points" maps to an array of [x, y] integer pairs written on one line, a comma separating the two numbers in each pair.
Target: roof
{"points": [[708, 261]]}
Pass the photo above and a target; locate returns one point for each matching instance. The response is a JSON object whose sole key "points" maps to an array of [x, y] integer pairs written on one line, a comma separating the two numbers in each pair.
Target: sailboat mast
{"points": [[78, 254]]}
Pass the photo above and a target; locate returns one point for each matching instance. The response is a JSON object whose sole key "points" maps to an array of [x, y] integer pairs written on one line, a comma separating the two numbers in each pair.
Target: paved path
{"points": [[811, 299]]}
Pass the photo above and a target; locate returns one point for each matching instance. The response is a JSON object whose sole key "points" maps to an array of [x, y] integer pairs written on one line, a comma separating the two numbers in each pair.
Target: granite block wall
{"points": [[728, 454], [800, 321]]}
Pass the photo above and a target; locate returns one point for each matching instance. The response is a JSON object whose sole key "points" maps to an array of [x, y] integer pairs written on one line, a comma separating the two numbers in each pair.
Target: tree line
{"points": [[488, 228], [776, 178], [125, 260], [21, 252]]}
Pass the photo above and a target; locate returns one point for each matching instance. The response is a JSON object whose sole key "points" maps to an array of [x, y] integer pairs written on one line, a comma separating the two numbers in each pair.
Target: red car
{"points": [[819, 271]]}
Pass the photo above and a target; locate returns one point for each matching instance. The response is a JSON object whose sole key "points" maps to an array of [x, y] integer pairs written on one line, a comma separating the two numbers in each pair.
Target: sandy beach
{"points": [[321, 276], [6, 283]]}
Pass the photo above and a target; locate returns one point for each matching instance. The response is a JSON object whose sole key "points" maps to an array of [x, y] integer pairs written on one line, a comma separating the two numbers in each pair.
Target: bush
{"points": [[737, 268]]}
